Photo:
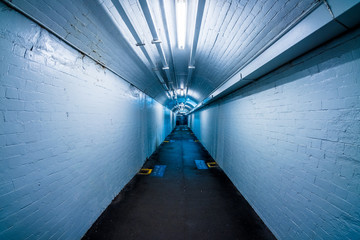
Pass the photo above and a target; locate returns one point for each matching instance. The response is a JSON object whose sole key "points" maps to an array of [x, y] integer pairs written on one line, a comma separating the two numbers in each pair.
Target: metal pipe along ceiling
{"points": [[156, 40], [139, 42], [191, 67]]}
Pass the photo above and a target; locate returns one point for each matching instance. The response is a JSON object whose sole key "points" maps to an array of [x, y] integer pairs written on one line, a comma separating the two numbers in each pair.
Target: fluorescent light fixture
{"points": [[180, 92], [181, 22]]}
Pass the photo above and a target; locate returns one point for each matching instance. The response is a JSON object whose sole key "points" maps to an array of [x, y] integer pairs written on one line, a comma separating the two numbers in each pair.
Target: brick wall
{"points": [[72, 133], [290, 142]]}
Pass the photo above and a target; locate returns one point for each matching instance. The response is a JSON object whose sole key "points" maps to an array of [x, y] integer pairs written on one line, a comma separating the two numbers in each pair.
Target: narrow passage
{"points": [[178, 200]]}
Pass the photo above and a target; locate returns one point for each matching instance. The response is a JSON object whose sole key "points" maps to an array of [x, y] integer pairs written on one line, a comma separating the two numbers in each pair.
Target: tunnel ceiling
{"points": [[138, 39]]}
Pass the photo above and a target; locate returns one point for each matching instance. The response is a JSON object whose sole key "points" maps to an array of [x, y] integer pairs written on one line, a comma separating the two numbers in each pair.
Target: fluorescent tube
{"points": [[181, 22]]}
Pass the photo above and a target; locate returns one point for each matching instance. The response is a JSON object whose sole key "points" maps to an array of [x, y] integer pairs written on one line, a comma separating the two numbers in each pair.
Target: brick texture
{"points": [[72, 133], [290, 142], [88, 25]]}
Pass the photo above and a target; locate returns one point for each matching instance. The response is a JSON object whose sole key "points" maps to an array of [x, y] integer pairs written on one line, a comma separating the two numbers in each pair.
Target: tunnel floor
{"points": [[185, 203]]}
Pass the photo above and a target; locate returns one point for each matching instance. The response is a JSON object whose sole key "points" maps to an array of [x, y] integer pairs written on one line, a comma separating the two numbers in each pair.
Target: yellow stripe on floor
{"points": [[145, 171]]}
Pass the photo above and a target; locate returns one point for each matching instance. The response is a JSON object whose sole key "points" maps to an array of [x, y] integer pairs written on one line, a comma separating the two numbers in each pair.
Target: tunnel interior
{"points": [[94, 92]]}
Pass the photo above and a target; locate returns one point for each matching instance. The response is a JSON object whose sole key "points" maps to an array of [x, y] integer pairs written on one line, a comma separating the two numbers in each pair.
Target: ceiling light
{"points": [[181, 22]]}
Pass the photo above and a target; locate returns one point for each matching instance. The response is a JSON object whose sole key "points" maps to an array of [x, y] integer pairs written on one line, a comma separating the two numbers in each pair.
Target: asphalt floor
{"points": [[184, 203]]}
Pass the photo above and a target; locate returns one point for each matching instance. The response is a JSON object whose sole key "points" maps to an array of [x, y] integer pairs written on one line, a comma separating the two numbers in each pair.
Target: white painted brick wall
{"points": [[95, 33], [290, 142], [72, 134]]}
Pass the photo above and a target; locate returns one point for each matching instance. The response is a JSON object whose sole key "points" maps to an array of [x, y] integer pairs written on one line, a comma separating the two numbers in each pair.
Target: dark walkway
{"points": [[186, 203]]}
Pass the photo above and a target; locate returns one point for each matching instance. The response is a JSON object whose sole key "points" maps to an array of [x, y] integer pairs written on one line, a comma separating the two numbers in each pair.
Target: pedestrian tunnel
{"points": [[179, 119]]}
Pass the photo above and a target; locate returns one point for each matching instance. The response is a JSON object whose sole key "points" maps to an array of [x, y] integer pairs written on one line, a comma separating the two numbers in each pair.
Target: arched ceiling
{"points": [[138, 39]]}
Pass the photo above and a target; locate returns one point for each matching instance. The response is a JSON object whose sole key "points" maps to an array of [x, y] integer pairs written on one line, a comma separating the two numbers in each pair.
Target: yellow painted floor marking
{"points": [[145, 171], [211, 164]]}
